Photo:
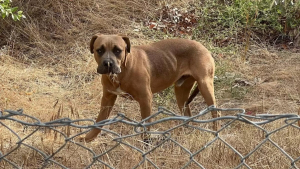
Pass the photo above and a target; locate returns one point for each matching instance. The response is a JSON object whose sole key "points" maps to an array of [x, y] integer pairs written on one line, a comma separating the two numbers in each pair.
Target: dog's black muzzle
{"points": [[107, 67]]}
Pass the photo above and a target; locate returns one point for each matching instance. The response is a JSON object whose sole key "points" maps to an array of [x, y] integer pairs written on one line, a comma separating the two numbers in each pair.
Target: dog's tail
{"points": [[192, 96]]}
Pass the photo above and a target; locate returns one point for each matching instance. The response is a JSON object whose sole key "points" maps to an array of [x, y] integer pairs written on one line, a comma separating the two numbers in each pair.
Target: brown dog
{"points": [[141, 71]]}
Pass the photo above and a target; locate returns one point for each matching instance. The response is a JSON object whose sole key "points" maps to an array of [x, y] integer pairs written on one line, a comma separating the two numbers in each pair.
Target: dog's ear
{"points": [[128, 46], [92, 42], [127, 41]]}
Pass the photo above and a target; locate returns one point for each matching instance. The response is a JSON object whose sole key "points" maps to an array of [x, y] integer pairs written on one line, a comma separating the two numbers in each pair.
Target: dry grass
{"points": [[46, 69]]}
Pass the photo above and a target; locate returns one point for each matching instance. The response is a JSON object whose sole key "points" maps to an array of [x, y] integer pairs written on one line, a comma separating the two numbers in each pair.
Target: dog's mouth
{"points": [[108, 70]]}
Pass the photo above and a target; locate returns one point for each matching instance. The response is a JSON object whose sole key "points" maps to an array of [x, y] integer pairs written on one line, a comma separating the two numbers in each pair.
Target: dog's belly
{"points": [[161, 86], [165, 71], [163, 80]]}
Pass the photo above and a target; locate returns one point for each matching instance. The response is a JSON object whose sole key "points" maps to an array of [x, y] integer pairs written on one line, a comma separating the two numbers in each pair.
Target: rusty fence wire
{"points": [[145, 152]]}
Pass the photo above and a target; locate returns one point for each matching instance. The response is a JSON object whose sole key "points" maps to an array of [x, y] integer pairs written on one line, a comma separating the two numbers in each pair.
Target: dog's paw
{"points": [[86, 139]]}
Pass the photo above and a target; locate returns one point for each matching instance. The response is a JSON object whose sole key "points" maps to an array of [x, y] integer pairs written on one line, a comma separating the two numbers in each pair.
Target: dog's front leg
{"points": [[107, 103], [145, 102]]}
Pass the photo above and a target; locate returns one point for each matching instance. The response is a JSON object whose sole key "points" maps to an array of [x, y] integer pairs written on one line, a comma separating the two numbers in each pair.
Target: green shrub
{"points": [[267, 18], [6, 10]]}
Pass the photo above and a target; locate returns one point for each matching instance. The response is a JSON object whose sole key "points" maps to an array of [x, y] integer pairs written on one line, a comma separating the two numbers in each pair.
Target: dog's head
{"points": [[110, 52]]}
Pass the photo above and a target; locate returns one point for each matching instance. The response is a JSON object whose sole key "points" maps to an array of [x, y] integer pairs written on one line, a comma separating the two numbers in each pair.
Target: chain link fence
{"points": [[244, 141]]}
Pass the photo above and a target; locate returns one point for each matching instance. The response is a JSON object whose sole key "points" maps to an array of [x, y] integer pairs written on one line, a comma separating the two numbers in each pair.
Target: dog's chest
{"points": [[117, 91], [117, 88]]}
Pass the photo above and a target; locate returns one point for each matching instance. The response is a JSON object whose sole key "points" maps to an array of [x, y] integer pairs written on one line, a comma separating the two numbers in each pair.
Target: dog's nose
{"points": [[107, 63]]}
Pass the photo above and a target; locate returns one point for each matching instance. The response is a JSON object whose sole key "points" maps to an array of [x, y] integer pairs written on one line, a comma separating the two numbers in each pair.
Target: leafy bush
{"points": [[6, 10], [269, 19]]}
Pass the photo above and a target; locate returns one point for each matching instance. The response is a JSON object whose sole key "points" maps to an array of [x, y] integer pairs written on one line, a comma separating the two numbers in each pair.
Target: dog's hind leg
{"points": [[182, 93], [206, 87]]}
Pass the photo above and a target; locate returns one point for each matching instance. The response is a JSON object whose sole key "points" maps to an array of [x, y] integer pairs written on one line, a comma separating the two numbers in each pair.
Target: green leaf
{"points": [[279, 11], [14, 17], [1, 9], [20, 14], [13, 10], [3, 15]]}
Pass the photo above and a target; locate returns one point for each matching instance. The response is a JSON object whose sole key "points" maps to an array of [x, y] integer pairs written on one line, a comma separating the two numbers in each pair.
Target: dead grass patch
{"points": [[46, 69]]}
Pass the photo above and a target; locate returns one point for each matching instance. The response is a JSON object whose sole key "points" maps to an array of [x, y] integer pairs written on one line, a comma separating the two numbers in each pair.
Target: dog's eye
{"points": [[101, 51], [117, 51]]}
